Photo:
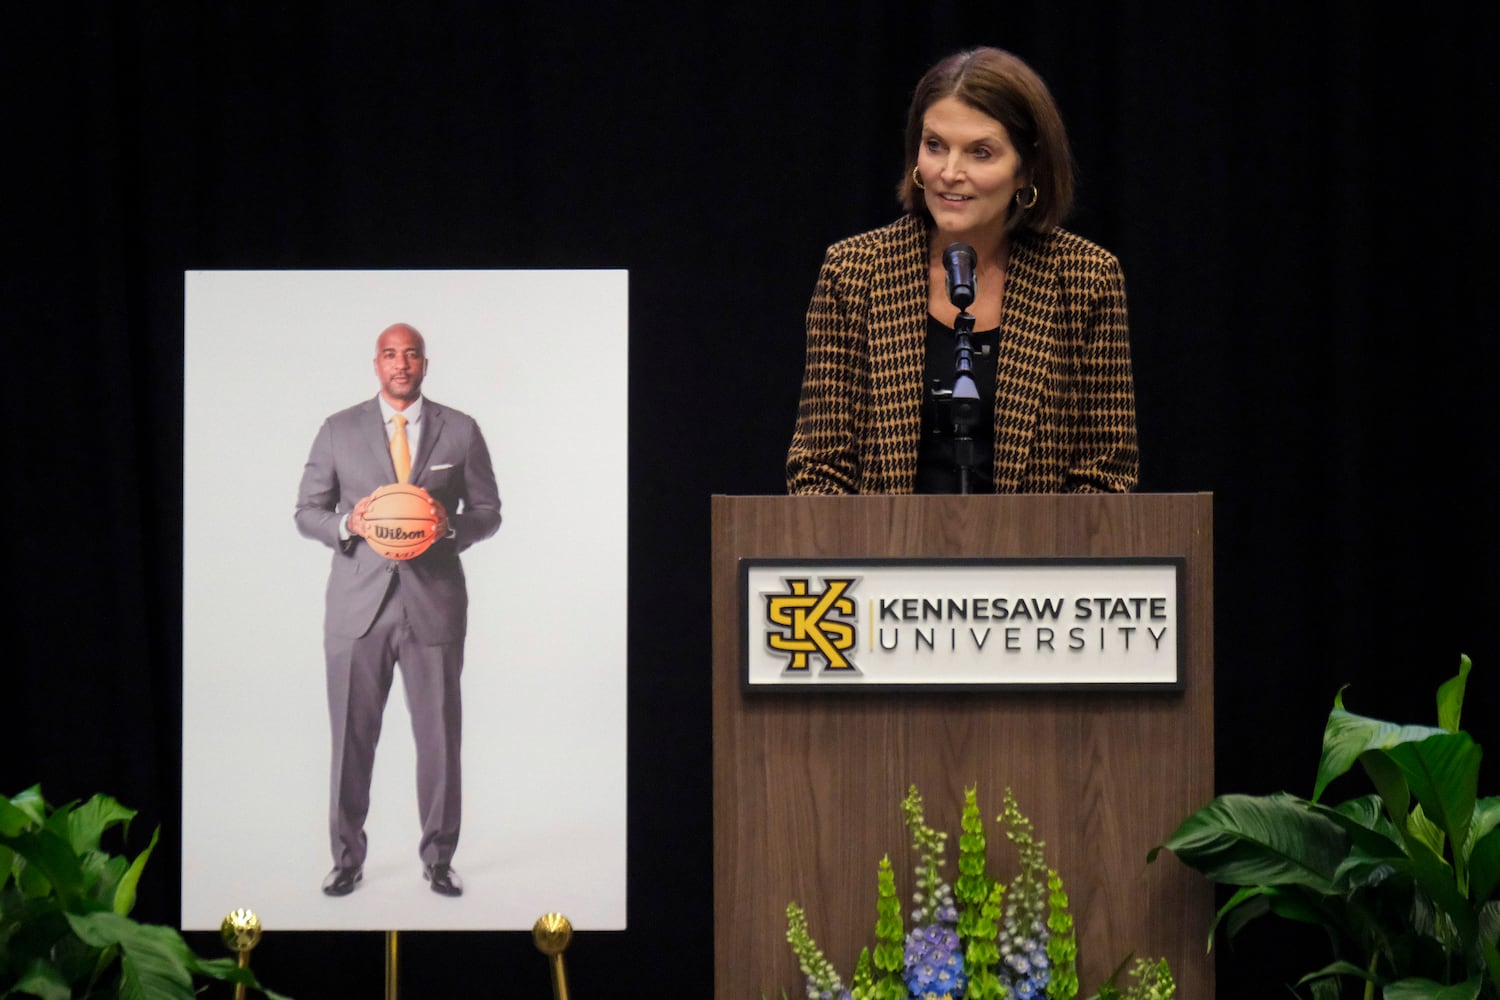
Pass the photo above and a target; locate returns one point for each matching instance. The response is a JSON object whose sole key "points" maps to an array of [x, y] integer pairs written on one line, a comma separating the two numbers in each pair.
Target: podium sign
{"points": [[869, 624]]}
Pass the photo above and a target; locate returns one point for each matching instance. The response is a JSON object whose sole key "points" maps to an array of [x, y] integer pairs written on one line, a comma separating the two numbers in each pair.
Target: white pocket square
{"points": [[440, 468]]}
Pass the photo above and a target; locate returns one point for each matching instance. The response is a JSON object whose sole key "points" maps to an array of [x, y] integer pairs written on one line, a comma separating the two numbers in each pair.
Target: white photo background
{"points": [[268, 356]]}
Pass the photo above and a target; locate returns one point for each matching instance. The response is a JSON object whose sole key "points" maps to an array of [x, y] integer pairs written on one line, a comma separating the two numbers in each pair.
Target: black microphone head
{"points": [[951, 255], [959, 261]]}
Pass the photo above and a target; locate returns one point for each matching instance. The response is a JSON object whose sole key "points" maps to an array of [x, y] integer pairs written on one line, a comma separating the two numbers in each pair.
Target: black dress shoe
{"points": [[445, 881], [341, 881]]}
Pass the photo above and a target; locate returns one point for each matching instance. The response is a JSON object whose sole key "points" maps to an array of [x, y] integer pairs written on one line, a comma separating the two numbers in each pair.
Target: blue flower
{"points": [[934, 964]]}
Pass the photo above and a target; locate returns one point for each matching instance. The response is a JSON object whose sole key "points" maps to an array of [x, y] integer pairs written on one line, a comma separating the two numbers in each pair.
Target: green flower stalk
{"points": [[1062, 944], [889, 958], [977, 926], [933, 895], [1028, 895], [1024, 962], [1153, 981], [983, 955], [864, 977], [973, 885], [822, 978]]}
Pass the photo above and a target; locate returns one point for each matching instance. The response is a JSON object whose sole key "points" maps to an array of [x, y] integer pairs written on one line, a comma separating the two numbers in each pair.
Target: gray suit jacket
{"points": [[350, 459]]}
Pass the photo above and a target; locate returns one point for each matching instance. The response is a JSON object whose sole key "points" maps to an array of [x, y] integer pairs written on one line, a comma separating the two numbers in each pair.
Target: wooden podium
{"points": [[808, 785]]}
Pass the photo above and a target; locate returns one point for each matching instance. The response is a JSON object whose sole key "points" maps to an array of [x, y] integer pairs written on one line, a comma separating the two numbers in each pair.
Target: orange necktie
{"points": [[400, 450]]}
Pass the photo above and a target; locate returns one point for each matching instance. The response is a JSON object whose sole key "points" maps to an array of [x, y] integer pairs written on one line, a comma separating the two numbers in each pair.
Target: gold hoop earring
{"points": [[916, 178], [1024, 205]]}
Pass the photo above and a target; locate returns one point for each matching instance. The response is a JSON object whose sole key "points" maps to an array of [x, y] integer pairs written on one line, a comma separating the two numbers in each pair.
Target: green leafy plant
{"points": [[1402, 880], [978, 939], [65, 929]]}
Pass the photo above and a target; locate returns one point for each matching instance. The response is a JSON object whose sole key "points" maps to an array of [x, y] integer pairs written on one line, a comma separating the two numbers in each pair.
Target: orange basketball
{"points": [[399, 522]]}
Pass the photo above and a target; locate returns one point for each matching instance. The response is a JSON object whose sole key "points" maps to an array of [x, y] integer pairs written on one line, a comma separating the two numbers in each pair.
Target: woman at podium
{"points": [[973, 345]]}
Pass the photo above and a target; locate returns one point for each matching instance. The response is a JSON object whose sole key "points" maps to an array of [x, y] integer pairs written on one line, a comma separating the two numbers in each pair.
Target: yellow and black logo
{"points": [[806, 623]]}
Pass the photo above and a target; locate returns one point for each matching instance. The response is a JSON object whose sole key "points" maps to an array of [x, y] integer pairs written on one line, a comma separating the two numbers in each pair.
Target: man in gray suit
{"points": [[382, 613]]}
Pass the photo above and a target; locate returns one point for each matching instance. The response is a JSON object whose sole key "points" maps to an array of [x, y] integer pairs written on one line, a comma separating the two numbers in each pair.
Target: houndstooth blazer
{"points": [[1065, 397]]}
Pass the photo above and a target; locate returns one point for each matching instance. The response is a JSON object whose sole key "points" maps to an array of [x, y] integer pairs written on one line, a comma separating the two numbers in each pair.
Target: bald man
{"points": [[381, 614]]}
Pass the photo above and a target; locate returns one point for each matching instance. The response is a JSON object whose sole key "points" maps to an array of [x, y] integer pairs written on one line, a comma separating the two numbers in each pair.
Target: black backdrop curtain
{"points": [[1300, 195]]}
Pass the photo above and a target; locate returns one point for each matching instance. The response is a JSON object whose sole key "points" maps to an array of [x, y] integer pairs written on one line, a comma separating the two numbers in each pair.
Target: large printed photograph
{"points": [[404, 597]]}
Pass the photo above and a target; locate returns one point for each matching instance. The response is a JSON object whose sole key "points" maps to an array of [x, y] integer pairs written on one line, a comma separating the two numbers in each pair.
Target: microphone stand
{"points": [[964, 404]]}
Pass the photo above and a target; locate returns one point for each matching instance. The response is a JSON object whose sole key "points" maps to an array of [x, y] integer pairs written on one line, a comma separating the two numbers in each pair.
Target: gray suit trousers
{"points": [[360, 672]]}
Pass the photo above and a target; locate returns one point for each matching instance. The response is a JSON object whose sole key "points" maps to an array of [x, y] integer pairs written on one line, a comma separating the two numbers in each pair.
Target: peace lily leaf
{"points": [[1436, 877], [13, 819], [1360, 871], [32, 804], [1443, 774], [1450, 697], [1295, 902], [1248, 840], [1425, 919], [228, 970], [1489, 918], [88, 822], [50, 866], [1426, 989], [1484, 867], [1325, 989], [1425, 830], [1347, 736], [94, 873], [124, 900], [1244, 906], [57, 821], [1390, 782], [1486, 818], [153, 963], [1338, 969], [1368, 827], [101, 929], [42, 980]]}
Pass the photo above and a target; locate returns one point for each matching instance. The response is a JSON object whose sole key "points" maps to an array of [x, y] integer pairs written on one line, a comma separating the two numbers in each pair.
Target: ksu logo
{"points": [[806, 624]]}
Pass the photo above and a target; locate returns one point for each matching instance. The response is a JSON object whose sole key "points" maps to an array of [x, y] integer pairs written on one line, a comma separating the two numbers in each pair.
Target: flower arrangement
{"points": [[976, 938]]}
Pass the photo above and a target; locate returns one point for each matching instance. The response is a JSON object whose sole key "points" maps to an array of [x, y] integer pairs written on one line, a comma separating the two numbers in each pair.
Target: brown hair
{"points": [[1000, 85]]}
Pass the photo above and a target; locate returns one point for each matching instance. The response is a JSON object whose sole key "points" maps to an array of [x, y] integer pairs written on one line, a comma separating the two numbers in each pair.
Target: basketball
{"points": [[399, 522]]}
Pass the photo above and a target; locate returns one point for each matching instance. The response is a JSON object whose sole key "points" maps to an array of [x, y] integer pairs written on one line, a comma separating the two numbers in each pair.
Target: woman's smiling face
{"points": [[970, 171]]}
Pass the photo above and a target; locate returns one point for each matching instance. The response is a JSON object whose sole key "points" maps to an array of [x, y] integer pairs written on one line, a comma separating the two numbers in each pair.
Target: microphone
{"points": [[958, 264]]}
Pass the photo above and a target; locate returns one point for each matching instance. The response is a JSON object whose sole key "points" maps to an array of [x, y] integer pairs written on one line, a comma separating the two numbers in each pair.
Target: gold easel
{"points": [[551, 933], [240, 932], [392, 967]]}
